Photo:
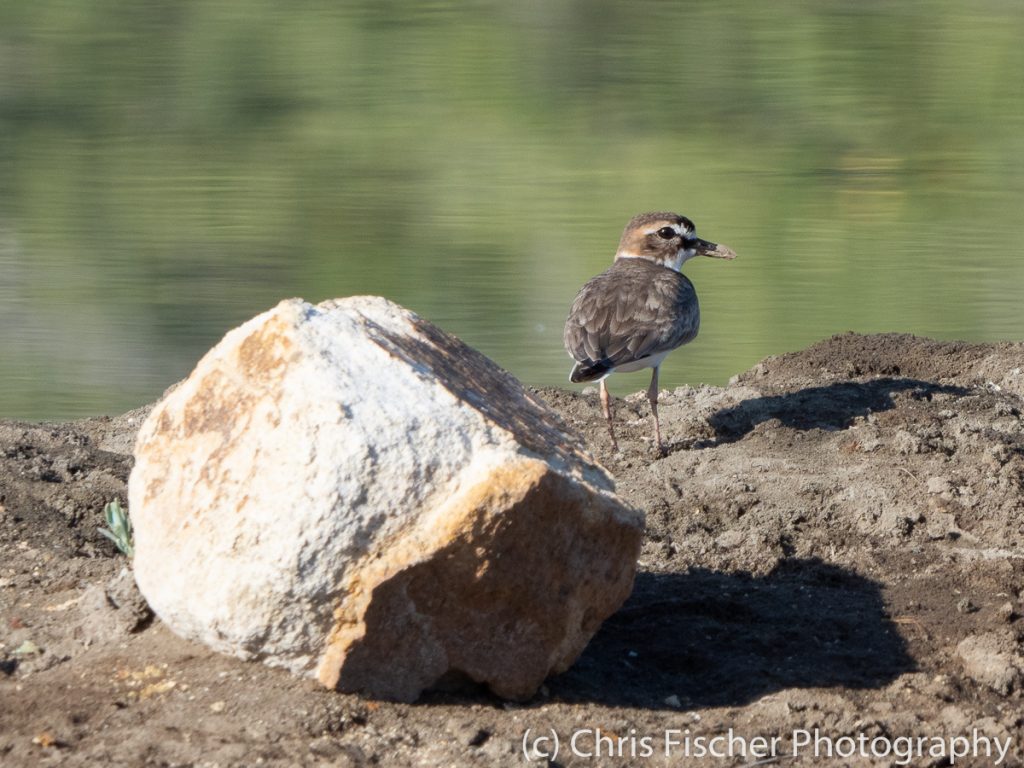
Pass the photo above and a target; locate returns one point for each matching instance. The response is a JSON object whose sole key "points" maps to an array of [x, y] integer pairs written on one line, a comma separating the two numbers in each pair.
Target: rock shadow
{"points": [[829, 407], [481, 384], [717, 639]]}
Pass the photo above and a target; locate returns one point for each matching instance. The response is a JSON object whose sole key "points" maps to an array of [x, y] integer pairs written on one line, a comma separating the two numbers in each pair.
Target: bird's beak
{"points": [[714, 250]]}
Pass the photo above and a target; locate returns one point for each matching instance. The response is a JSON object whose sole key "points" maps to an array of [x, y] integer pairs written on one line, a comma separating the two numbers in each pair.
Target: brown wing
{"points": [[632, 310]]}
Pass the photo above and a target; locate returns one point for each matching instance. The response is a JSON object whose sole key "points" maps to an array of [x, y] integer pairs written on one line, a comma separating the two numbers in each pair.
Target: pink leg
{"points": [[652, 395], [606, 407]]}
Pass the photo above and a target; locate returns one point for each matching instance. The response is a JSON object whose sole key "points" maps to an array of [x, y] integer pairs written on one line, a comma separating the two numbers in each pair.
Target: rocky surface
{"points": [[350, 493], [834, 542]]}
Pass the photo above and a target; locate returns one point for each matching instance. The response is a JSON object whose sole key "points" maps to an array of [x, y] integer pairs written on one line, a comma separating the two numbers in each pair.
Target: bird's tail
{"points": [[589, 371]]}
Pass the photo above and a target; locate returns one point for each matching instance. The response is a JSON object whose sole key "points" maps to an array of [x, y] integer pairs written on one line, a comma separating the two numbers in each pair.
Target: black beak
{"points": [[714, 250]]}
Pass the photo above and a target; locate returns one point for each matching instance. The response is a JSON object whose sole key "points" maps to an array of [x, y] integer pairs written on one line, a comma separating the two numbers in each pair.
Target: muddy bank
{"points": [[835, 541]]}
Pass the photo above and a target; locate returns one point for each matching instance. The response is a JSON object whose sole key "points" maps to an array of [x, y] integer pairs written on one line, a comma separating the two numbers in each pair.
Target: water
{"points": [[169, 169]]}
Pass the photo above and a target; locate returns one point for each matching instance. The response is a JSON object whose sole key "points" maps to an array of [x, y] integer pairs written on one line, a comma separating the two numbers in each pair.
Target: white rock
{"points": [[346, 491], [989, 658]]}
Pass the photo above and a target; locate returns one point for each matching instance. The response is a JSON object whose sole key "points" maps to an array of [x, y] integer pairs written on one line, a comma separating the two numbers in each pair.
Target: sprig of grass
{"points": [[120, 527]]}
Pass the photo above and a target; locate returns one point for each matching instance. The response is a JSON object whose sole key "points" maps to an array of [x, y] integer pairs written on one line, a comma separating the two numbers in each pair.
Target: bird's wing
{"points": [[632, 310]]}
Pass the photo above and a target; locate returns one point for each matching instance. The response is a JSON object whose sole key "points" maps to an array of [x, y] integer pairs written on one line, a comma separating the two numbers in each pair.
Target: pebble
{"points": [[27, 648], [964, 605], [730, 539], [940, 525], [1006, 612], [939, 485], [45, 739], [324, 747]]}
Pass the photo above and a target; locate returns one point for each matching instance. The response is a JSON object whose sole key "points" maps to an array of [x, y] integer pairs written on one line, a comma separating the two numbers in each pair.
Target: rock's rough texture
{"points": [[991, 659], [112, 610], [346, 491]]}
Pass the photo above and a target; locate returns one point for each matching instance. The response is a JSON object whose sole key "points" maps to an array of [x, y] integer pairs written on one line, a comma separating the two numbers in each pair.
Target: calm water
{"points": [[169, 169]]}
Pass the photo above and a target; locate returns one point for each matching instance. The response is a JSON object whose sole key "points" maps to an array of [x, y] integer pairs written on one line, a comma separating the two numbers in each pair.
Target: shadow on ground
{"points": [[715, 639], [830, 407]]}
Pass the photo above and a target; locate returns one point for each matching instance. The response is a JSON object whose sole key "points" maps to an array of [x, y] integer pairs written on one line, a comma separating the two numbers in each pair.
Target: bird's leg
{"points": [[606, 407], [652, 395]]}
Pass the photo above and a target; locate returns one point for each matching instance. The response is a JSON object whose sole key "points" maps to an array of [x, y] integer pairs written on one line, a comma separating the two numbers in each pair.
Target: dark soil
{"points": [[835, 541]]}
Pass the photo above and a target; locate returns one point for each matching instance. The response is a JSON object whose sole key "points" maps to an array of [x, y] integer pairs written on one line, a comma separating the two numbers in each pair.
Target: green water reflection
{"points": [[169, 169]]}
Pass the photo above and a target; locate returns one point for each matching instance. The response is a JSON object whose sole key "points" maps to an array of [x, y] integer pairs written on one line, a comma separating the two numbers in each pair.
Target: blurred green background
{"points": [[170, 168]]}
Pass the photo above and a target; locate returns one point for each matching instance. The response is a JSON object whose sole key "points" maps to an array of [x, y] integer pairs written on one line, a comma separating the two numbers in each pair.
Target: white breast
{"points": [[638, 365]]}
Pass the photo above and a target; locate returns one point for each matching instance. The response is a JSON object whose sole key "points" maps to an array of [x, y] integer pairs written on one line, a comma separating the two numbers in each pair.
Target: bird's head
{"points": [[667, 239]]}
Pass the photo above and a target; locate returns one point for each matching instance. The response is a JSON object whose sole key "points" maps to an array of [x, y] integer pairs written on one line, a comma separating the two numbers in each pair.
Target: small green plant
{"points": [[120, 527]]}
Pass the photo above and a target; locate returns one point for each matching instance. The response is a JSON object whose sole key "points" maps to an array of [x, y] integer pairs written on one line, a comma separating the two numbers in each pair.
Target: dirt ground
{"points": [[835, 542]]}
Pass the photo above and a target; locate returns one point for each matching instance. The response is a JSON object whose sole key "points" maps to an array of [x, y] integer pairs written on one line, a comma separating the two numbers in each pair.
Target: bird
{"points": [[638, 310]]}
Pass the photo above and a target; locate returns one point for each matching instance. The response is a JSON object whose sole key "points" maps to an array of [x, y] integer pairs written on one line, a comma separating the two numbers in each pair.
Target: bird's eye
{"points": [[666, 233]]}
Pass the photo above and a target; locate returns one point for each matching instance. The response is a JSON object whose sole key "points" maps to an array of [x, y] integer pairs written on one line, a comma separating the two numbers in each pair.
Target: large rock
{"points": [[347, 491]]}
